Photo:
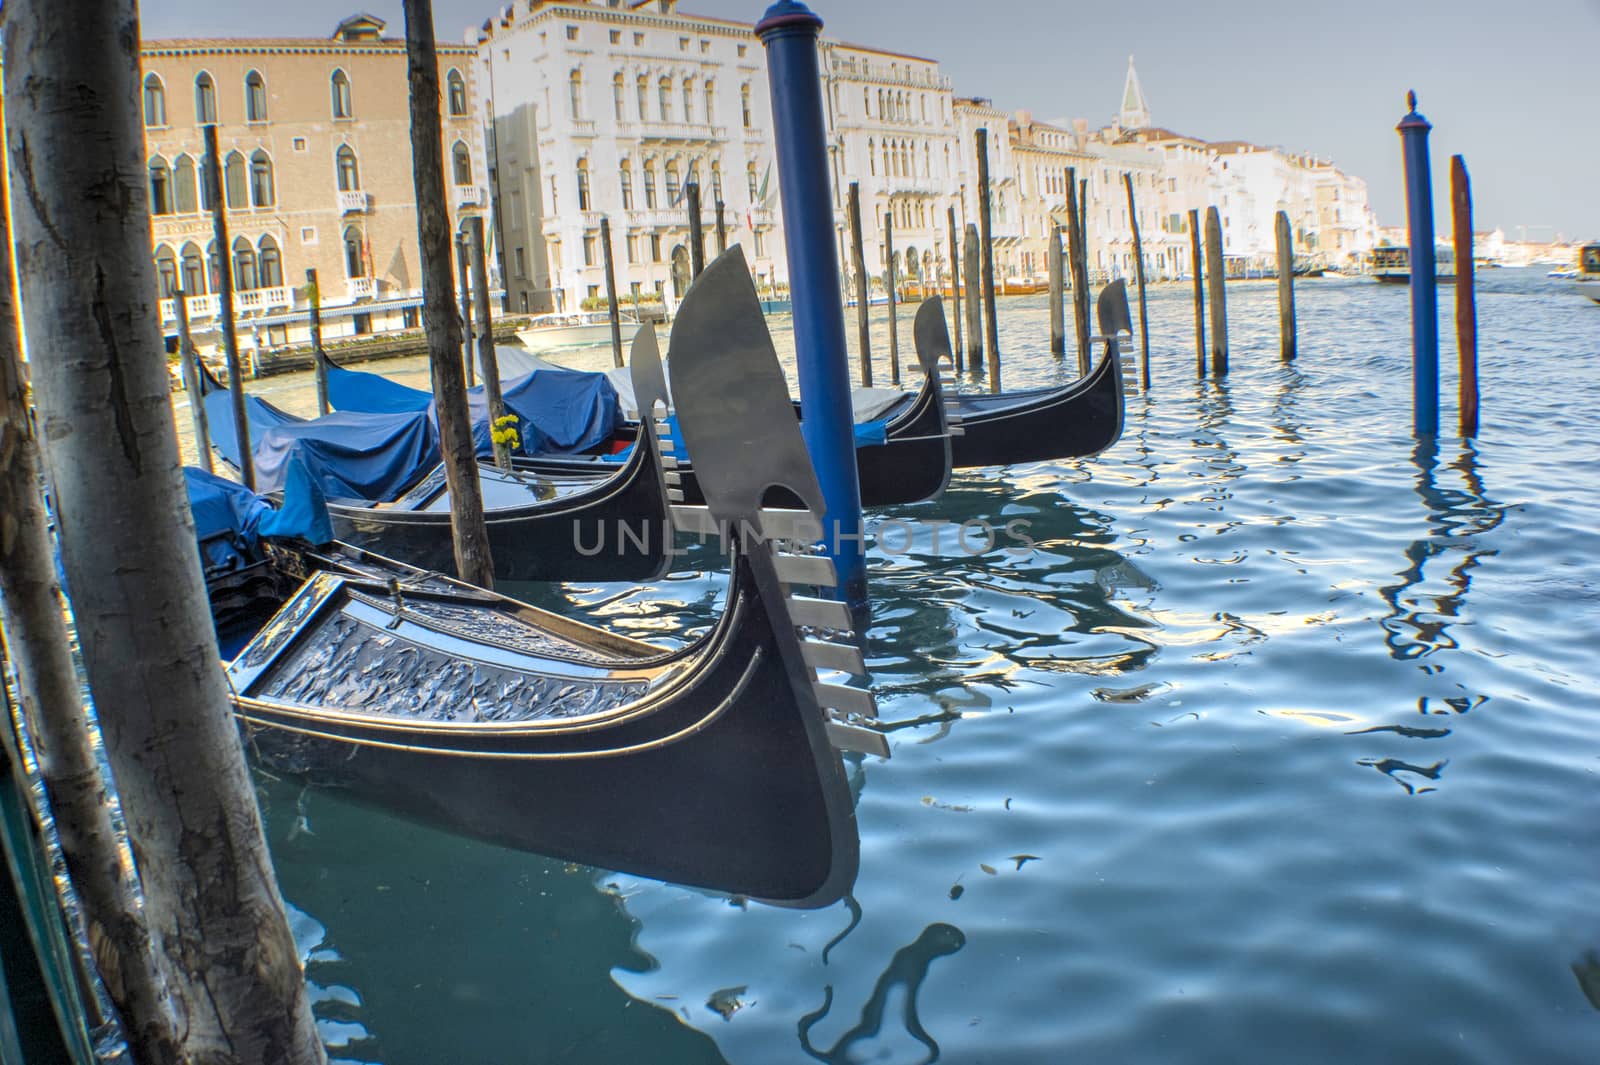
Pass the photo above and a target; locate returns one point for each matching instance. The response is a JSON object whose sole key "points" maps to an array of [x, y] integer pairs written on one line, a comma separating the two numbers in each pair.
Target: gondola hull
{"points": [[1077, 421]]}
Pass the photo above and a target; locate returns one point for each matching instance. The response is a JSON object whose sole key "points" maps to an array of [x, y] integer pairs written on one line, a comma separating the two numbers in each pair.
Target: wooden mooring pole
{"points": [[188, 364], [1219, 304], [1138, 267], [486, 353], [230, 339], [469, 533], [1287, 341], [985, 210], [1197, 269], [972, 276], [1466, 297], [697, 232], [722, 227], [1080, 271], [612, 313], [318, 356], [891, 282], [858, 265], [1052, 260], [955, 291]]}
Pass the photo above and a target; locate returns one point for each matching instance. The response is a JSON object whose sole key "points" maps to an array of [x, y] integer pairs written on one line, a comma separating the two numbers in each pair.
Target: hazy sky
{"points": [[1514, 87]]}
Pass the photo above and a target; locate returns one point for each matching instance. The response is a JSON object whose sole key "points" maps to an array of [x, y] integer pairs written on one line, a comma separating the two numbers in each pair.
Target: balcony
{"points": [[354, 201], [248, 302], [469, 196], [677, 132], [362, 288]]}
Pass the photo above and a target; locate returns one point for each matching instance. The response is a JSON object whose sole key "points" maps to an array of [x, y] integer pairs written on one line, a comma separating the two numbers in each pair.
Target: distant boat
{"points": [[777, 307], [549, 332], [1588, 276], [1393, 264]]}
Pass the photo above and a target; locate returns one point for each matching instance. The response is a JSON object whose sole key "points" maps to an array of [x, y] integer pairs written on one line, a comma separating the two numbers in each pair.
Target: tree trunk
{"points": [[76, 150], [473, 562]]}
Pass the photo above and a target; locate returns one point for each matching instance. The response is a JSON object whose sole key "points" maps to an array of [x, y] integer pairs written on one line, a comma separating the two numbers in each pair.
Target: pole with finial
{"points": [[1413, 129]]}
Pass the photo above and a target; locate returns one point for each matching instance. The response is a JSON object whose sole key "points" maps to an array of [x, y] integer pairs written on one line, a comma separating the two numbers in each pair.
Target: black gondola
{"points": [[714, 765], [541, 527]]}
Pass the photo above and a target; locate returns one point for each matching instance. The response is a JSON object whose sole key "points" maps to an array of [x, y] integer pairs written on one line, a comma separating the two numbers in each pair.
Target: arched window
{"points": [[184, 200], [575, 89], [625, 178], [255, 97], [750, 180], [688, 99], [641, 89], [214, 265], [618, 94], [456, 92], [583, 184], [927, 157], [166, 271], [711, 100], [649, 185], [664, 98], [160, 186], [155, 101], [744, 103], [236, 185], [205, 99], [461, 164], [672, 183], [341, 95], [886, 171], [866, 101], [349, 171], [872, 159], [270, 263], [260, 179], [194, 270], [244, 266], [716, 183], [354, 262]]}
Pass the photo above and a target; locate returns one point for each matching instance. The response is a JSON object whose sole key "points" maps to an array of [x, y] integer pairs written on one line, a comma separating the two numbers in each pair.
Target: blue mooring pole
{"points": [[1424, 280], [789, 31]]}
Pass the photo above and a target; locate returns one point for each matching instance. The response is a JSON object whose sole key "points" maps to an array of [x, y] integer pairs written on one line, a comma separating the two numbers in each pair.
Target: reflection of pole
{"points": [[863, 287], [191, 380], [1466, 297], [1413, 130], [992, 337], [230, 338], [789, 31]]}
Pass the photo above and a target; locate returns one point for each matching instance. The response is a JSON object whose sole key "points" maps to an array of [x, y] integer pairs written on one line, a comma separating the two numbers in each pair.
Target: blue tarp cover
{"points": [[370, 393], [370, 457], [229, 519]]}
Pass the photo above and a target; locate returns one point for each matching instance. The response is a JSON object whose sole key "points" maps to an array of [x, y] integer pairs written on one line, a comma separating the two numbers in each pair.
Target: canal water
{"points": [[1276, 739]]}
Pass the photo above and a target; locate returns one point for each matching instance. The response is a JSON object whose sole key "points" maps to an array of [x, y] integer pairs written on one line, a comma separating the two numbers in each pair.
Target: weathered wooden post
{"points": [[318, 356], [863, 285], [1219, 299], [486, 353], [992, 335], [1286, 326], [1058, 326], [1466, 298], [1413, 130], [612, 313], [210, 904], [722, 228], [212, 176], [464, 271], [955, 291], [187, 364], [697, 233], [789, 32], [1080, 271], [468, 531], [1196, 267], [1138, 265], [1083, 226], [974, 284], [891, 281]]}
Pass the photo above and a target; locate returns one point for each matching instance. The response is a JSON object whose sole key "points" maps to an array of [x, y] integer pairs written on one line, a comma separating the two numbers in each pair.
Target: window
{"points": [[269, 263], [575, 91], [166, 271], [594, 292], [631, 247], [354, 261], [761, 244], [583, 185], [705, 47], [672, 183], [872, 159], [193, 270], [341, 96], [572, 33], [649, 185], [642, 91], [750, 180], [308, 234], [716, 182], [155, 101], [664, 98], [205, 99], [160, 187], [519, 262], [683, 44], [299, 144], [456, 92], [260, 179], [741, 51], [633, 290], [184, 200], [588, 250], [638, 39], [688, 100], [348, 169], [616, 36], [255, 97], [711, 100], [461, 164], [244, 266], [744, 102], [625, 178], [214, 265], [655, 247], [361, 323], [617, 94]]}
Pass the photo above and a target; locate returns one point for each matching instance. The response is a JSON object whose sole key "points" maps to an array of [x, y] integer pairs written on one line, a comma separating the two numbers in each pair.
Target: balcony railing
{"points": [[353, 200], [248, 302], [362, 287], [469, 196]]}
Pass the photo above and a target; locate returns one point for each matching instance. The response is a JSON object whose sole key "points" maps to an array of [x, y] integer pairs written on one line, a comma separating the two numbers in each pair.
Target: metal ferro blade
{"points": [[932, 336], [734, 411], [649, 381], [1111, 310]]}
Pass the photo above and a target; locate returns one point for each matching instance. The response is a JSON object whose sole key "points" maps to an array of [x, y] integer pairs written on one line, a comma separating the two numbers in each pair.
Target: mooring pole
{"points": [[974, 283], [318, 357], [230, 337], [992, 336], [955, 292], [891, 281], [1080, 271], [1197, 269], [1052, 261], [1138, 266], [1413, 130], [464, 271], [1466, 297], [697, 232], [612, 313], [722, 228], [863, 285], [789, 31], [1219, 299], [191, 380], [486, 353], [1286, 327]]}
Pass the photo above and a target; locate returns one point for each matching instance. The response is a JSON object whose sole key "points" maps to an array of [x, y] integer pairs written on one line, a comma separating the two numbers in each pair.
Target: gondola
{"points": [[715, 765], [608, 526]]}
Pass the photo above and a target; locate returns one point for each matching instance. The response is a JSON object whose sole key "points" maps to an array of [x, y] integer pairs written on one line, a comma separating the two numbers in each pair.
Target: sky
{"points": [[1513, 87]]}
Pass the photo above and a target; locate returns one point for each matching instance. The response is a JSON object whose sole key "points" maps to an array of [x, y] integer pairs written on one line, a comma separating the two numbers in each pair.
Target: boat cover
{"points": [[230, 520], [373, 393]]}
